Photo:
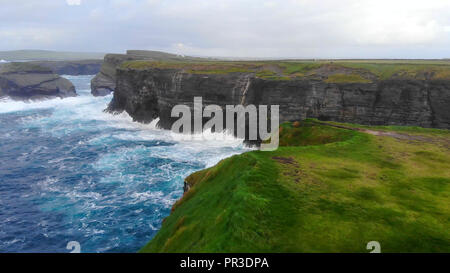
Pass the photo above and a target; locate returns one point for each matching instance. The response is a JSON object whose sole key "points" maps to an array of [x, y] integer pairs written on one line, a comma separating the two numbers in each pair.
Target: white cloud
{"points": [[25, 35], [253, 28], [73, 2]]}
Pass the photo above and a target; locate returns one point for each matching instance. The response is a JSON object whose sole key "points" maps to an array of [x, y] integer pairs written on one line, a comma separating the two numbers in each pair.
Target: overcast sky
{"points": [[244, 28]]}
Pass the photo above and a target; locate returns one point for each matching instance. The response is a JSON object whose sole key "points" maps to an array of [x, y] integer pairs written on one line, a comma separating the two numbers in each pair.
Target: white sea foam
{"points": [[207, 148], [142, 196], [135, 169], [86, 107], [8, 105]]}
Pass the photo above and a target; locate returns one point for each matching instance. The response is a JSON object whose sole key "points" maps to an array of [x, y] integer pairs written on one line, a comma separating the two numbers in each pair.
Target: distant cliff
{"points": [[328, 92], [105, 81], [47, 55], [82, 67], [27, 81]]}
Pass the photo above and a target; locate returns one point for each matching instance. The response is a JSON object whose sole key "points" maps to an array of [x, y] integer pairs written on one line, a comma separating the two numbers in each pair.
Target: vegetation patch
{"points": [[207, 67], [286, 70], [23, 67], [346, 78], [404, 69], [325, 189], [299, 69], [412, 130], [309, 133]]}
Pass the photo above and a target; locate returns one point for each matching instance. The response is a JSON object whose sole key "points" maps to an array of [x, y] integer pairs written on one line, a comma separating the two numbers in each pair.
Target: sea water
{"points": [[71, 172]]}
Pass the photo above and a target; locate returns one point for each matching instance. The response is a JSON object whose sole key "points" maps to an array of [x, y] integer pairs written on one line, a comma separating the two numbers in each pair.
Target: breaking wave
{"points": [[70, 172]]}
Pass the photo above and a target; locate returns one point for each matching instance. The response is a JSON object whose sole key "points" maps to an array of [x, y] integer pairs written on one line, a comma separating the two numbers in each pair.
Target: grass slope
{"points": [[326, 189]]}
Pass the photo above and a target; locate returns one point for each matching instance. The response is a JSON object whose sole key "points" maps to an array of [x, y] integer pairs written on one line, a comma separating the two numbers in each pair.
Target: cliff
{"points": [[105, 81], [416, 95], [82, 67], [27, 81]]}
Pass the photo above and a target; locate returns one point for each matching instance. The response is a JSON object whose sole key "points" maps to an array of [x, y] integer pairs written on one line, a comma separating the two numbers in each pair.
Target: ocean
{"points": [[71, 172]]}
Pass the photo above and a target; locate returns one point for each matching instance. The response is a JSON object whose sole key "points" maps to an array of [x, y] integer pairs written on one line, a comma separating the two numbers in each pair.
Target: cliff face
{"points": [[26, 81], [147, 94], [105, 81]]}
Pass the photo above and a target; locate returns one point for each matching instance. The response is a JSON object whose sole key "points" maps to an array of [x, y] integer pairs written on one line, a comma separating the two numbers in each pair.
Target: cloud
{"points": [[242, 28], [73, 2], [33, 35]]}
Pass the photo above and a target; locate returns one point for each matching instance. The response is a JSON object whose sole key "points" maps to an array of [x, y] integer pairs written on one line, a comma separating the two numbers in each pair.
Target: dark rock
{"points": [[186, 187], [27, 81], [105, 81]]}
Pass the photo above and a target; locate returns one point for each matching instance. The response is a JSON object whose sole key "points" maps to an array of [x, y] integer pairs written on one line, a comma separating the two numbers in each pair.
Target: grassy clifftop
{"points": [[339, 71], [23, 68], [329, 188]]}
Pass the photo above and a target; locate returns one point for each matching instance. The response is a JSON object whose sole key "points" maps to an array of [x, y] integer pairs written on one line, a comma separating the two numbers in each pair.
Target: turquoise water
{"points": [[70, 172]]}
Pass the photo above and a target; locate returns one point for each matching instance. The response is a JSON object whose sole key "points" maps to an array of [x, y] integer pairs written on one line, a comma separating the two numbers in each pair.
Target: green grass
{"points": [[325, 189], [413, 130], [206, 67], [309, 133], [288, 70], [23, 67], [346, 78], [299, 68], [417, 70]]}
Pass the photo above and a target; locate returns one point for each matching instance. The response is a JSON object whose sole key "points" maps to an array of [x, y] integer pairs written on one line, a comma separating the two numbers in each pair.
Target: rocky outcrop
{"points": [[75, 68], [105, 81], [27, 81], [150, 93]]}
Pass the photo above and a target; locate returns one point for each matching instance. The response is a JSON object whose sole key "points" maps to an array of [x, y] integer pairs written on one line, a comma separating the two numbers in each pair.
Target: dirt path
{"points": [[395, 135], [382, 133]]}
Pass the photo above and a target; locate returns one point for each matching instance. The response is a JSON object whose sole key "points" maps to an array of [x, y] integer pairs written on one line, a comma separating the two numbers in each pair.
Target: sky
{"points": [[232, 28]]}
